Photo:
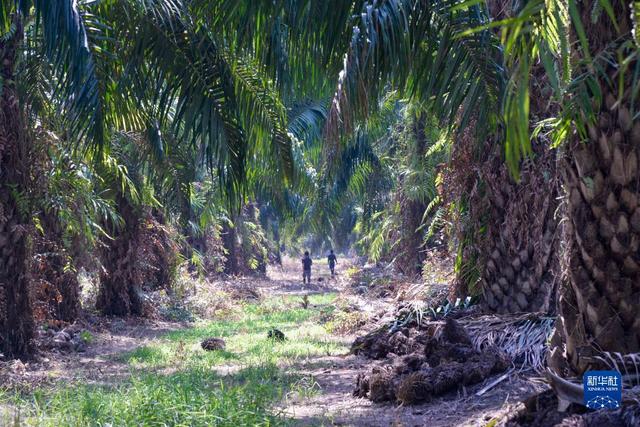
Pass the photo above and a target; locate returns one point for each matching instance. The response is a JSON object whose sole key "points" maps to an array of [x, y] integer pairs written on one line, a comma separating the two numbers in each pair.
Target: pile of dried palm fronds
{"points": [[522, 337], [627, 364]]}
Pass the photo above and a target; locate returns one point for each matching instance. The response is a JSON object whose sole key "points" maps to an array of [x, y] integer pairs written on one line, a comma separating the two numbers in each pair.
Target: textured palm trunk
{"points": [[410, 253], [599, 304], [16, 321], [55, 286], [509, 232], [120, 282], [230, 244], [520, 242], [520, 252]]}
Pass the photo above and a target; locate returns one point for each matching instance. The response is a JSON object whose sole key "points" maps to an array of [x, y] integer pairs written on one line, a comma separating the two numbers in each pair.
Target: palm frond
{"points": [[300, 42], [458, 73], [64, 27], [522, 337]]}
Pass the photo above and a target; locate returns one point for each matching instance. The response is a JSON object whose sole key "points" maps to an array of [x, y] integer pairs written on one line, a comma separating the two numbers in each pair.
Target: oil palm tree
{"points": [[61, 39], [16, 323], [446, 55], [386, 42], [127, 66], [601, 177], [589, 51]]}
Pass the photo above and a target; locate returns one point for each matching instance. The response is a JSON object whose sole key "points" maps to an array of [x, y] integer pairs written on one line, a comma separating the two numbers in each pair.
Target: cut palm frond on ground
{"points": [[523, 337]]}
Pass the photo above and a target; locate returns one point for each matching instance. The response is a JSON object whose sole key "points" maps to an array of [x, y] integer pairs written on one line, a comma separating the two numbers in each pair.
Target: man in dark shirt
{"points": [[332, 262], [306, 268]]}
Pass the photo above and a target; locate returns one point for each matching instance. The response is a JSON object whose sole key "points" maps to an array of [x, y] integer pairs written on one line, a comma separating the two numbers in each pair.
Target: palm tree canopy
{"points": [[150, 67]]}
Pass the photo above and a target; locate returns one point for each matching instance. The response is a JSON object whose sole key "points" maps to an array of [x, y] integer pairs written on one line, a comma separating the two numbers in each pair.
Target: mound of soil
{"points": [[72, 338], [541, 410], [420, 365], [243, 290]]}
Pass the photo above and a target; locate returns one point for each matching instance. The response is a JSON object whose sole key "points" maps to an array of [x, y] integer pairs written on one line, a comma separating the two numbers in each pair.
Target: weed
{"points": [[174, 382], [344, 322], [86, 337]]}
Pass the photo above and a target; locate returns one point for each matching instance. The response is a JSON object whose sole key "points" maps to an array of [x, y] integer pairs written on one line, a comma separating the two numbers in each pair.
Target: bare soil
{"points": [[98, 364]]}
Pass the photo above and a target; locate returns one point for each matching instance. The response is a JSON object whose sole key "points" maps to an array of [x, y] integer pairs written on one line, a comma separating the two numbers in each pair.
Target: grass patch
{"points": [[174, 382], [189, 397]]}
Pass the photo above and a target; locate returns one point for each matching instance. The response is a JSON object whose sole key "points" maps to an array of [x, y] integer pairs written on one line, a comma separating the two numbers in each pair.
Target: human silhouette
{"points": [[332, 260], [306, 268]]}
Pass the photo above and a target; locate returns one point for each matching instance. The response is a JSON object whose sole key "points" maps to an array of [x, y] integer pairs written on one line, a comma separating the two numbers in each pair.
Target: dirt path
{"points": [[335, 376]]}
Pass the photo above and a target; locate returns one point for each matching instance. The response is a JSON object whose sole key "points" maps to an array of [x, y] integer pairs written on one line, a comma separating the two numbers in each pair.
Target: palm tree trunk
{"points": [[410, 252], [231, 248], [16, 320], [520, 244], [120, 282], [520, 249], [55, 287], [599, 303], [276, 244]]}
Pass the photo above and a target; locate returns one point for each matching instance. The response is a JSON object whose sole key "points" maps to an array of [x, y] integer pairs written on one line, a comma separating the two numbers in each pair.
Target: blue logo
{"points": [[602, 389]]}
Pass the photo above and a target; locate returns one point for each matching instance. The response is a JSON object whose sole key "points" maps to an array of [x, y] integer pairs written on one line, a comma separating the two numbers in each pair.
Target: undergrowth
{"points": [[173, 382]]}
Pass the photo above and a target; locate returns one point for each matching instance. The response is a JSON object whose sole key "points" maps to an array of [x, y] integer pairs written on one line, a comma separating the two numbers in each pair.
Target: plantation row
{"points": [[140, 136]]}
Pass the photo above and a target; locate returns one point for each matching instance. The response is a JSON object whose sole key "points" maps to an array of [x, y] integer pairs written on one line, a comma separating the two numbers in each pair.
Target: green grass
{"points": [[174, 382]]}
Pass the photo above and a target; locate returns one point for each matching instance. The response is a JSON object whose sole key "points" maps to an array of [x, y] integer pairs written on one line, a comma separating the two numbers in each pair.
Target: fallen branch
{"points": [[494, 383]]}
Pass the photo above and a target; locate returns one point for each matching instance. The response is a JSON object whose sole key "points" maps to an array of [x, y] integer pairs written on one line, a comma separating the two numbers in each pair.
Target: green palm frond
{"points": [[457, 73], [306, 121], [301, 42], [577, 73], [263, 113], [211, 97], [539, 30], [61, 29], [151, 67]]}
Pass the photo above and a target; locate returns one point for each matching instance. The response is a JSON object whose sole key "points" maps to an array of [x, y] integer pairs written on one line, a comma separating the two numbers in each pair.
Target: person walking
{"points": [[332, 260], [306, 268]]}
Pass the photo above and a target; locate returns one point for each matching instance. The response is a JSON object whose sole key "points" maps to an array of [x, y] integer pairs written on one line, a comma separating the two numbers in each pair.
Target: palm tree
{"points": [[392, 183], [445, 55], [387, 42], [601, 179], [590, 57], [519, 248], [55, 286], [66, 209], [123, 180], [16, 323], [130, 66], [59, 41]]}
